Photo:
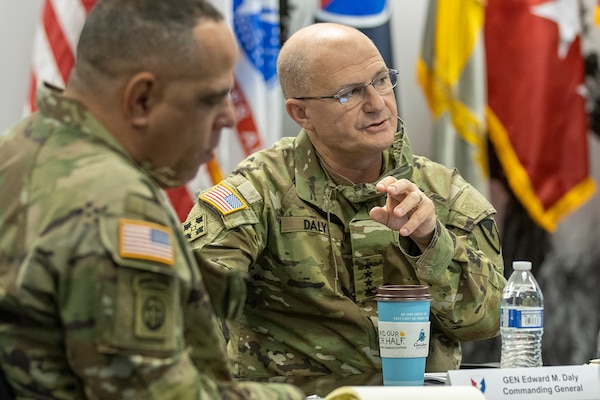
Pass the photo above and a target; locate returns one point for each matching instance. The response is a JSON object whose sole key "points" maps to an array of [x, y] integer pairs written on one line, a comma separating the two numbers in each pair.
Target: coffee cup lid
{"points": [[403, 293]]}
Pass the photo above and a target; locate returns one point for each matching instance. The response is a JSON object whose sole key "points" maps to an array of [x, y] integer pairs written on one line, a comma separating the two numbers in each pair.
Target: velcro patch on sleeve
{"points": [[145, 241], [224, 199], [195, 227]]}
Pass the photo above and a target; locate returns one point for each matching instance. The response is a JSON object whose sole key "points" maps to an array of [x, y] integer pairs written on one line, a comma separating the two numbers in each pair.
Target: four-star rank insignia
{"points": [[195, 227]]}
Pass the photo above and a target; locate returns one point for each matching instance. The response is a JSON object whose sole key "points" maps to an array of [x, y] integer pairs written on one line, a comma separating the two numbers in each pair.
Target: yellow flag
{"points": [[451, 71]]}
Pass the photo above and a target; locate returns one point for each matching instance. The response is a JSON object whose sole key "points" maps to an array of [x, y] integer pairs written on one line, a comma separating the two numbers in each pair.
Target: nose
{"points": [[228, 117], [373, 100]]}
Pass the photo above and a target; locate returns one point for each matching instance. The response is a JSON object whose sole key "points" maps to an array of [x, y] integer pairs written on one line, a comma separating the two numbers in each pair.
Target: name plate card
{"points": [[568, 382]]}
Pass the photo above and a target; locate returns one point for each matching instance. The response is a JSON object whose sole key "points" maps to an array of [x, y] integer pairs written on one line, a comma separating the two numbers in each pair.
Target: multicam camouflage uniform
{"points": [[298, 255], [95, 278]]}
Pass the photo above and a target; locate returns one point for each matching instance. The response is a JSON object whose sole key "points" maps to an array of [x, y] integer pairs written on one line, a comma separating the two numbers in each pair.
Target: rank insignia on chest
{"points": [[194, 228], [224, 199]]}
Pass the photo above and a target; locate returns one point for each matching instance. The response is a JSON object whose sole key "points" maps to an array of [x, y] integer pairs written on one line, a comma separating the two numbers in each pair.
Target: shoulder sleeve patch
{"points": [[195, 227], [490, 231], [146, 241], [224, 199]]}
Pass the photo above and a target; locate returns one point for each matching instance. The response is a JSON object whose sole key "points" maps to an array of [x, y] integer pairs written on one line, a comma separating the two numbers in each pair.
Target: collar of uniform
{"points": [[401, 165], [310, 178], [312, 181], [51, 102]]}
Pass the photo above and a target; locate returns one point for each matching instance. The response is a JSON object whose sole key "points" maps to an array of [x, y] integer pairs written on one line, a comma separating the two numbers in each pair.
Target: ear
{"points": [[137, 98], [296, 109]]}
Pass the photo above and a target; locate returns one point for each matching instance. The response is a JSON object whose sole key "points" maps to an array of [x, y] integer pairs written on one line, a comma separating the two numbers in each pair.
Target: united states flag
{"points": [[146, 241], [223, 199], [54, 43]]}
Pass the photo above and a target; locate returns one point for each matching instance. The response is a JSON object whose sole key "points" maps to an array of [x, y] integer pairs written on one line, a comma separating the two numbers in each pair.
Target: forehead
{"points": [[211, 74], [218, 48], [348, 62]]}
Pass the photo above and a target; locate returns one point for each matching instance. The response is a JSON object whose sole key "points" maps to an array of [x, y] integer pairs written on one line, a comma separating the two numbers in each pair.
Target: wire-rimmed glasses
{"points": [[352, 95]]}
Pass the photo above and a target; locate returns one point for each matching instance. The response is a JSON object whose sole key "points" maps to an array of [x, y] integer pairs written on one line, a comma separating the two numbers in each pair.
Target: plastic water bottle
{"points": [[521, 319]]}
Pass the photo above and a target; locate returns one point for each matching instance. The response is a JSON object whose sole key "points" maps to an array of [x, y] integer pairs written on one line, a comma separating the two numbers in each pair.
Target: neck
{"points": [[351, 175]]}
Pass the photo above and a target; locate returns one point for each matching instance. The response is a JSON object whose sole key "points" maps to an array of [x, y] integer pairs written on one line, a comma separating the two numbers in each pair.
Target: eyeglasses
{"points": [[352, 95]]}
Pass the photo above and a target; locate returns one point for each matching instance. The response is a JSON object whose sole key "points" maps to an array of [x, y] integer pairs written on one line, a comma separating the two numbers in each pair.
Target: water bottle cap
{"points": [[521, 265]]}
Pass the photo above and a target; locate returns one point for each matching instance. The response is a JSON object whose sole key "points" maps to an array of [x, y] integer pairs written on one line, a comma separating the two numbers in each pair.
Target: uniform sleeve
{"points": [[464, 267], [224, 248], [138, 321]]}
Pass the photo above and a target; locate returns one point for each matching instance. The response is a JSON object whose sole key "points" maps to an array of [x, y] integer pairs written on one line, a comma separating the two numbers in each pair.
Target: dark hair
{"points": [[130, 35]]}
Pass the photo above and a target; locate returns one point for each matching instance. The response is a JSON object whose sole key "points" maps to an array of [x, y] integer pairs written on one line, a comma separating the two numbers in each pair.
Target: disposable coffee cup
{"points": [[403, 333]]}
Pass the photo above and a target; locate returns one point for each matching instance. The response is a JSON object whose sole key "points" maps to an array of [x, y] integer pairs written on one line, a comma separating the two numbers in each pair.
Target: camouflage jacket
{"points": [[292, 260], [96, 279]]}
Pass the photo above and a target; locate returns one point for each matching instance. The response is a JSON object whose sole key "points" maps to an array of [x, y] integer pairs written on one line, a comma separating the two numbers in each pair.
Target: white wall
{"points": [[18, 19]]}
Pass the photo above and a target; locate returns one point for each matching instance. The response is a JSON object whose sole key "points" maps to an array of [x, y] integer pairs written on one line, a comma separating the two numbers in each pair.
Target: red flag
{"points": [[536, 116]]}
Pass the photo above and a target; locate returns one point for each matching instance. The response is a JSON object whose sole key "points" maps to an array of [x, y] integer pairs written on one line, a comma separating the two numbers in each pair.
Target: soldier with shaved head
{"points": [[296, 240]]}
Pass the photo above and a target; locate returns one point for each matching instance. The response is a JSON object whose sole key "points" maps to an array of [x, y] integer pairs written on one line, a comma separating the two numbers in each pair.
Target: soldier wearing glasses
{"points": [[296, 240]]}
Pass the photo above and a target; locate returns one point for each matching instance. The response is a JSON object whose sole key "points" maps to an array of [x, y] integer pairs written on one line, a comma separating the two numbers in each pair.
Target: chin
{"points": [[192, 173], [206, 157]]}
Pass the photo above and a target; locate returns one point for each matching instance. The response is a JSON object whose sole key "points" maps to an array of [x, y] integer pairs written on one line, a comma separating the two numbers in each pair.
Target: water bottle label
{"points": [[530, 318]]}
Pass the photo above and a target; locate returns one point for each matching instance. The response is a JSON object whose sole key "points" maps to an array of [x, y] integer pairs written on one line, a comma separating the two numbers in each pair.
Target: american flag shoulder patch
{"points": [[224, 199], [145, 241]]}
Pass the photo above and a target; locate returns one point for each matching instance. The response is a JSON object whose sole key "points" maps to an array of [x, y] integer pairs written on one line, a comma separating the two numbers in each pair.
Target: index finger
{"points": [[395, 186]]}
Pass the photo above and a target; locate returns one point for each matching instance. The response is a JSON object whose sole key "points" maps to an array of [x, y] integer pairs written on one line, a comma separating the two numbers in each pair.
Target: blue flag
{"points": [[370, 17]]}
